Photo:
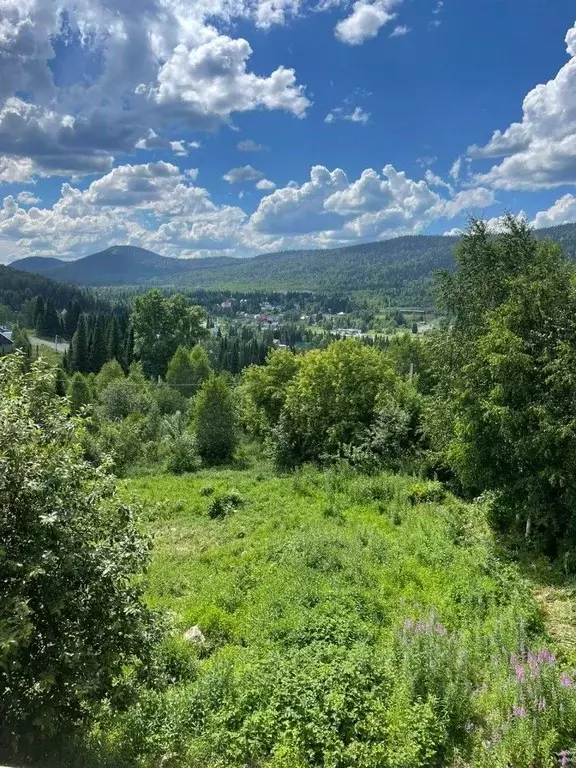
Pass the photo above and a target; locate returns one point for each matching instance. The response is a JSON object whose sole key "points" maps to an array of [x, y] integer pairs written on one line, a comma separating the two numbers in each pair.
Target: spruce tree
{"points": [[97, 352], [113, 340], [73, 312], [60, 382], [128, 354], [78, 358], [40, 327], [79, 393], [38, 309], [51, 325]]}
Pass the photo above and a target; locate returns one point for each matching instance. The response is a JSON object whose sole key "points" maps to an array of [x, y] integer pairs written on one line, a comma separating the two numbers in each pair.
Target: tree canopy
{"points": [[71, 557], [161, 325]]}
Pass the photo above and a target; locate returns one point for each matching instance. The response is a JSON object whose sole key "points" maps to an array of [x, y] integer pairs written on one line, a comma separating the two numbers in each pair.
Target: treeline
{"points": [[19, 291], [250, 302]]}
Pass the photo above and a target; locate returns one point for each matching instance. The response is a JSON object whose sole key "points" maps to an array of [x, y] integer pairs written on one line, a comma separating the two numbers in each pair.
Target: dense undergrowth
{"points": [[346, 621]]}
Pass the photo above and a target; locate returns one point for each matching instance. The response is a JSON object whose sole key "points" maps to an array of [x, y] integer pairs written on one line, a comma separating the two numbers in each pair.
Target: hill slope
{"points": [[16, 287], [400, 267], [337, 620]]}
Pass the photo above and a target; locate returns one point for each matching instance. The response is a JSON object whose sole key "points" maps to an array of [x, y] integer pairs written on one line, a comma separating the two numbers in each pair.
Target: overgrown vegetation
{"points": [[335, 534], [340, 620]]}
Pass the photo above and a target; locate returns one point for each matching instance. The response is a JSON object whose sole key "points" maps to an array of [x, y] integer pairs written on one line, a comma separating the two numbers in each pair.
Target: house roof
{"points": [[5, 338]]}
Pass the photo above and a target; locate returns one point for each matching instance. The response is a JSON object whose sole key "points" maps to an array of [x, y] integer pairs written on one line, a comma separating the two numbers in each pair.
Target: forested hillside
{"points": [[400, 268], [17, 287]]}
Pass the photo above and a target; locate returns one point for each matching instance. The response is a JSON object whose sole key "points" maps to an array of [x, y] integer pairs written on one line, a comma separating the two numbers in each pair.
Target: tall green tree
{"points": [[334, 397], [161, 325], [97, 347], [215, 420], [201, 367], [73, 312], [78, 358], [79, 393], [51, 320], [504, 413], [38, 310], [180, 374], [40, 325], [113, 345], [71, 613]]}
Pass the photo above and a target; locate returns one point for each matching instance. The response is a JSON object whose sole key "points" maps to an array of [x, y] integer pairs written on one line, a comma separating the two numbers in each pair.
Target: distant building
{"points": [[6, 343], [226, 304]]}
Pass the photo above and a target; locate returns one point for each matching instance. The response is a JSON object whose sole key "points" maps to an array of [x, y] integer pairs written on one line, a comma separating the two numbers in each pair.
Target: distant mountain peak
{"points": [[400, 267]]}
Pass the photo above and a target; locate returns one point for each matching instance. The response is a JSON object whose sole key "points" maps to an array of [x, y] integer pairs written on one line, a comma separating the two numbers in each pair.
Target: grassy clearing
{"points": [[348, 621]]}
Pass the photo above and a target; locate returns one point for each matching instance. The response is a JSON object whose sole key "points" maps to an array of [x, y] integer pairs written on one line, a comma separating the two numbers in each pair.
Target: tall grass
{"points": [[347, 621]]}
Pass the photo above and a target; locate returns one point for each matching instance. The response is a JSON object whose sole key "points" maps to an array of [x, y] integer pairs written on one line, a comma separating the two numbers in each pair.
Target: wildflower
{"points": [[518, 712], [564, 757], [545, 657], [519, 669], [566, 681]]}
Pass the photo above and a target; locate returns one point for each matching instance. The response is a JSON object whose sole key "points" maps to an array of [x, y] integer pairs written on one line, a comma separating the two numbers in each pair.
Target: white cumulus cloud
{"points": [[265, 185], [540, 150], [365, 21], [563, 211]]}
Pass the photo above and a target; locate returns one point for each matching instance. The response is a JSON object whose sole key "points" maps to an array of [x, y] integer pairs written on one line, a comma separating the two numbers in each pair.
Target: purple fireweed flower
{"points": [[520, 673], [440, 629], [518, 712], [566, 681], [545, 657], [564, 757]]}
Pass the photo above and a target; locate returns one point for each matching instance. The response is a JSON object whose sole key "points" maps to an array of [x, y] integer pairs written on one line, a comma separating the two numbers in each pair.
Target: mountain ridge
{"points": [[400, 266]]}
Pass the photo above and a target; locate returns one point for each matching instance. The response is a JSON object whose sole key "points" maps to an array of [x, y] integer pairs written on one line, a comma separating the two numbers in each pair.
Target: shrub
{"points": [[121, 398], [110, 371], [71, 614], [79, 393], [182, 454], [225, 503], [426, 493]]}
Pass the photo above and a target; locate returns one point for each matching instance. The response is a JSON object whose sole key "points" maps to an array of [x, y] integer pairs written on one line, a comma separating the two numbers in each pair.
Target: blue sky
{"points": [[240, 126]]}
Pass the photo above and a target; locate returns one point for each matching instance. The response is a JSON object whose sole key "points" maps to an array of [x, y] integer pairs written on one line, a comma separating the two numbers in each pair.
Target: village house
{"points": [[6, 343]]}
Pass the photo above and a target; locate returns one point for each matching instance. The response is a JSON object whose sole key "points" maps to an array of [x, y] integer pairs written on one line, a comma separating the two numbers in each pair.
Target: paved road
{"points": [[60, 347]]}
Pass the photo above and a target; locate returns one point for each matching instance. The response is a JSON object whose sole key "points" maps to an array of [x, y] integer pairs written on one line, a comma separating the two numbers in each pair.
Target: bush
{"points": [[168, 400], [110, 371], [79, 393], [71, 614], [426, 493], [225, 503], [181, 454], [121, 398]]}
